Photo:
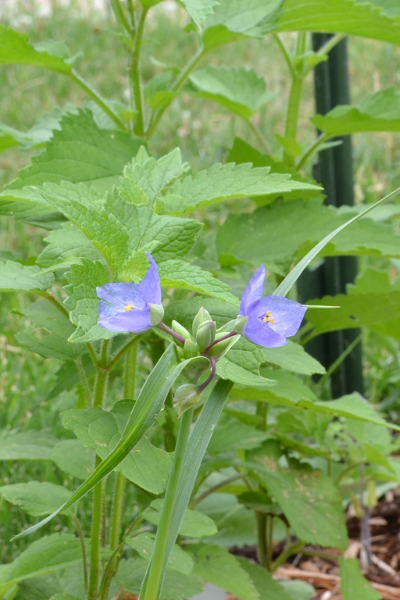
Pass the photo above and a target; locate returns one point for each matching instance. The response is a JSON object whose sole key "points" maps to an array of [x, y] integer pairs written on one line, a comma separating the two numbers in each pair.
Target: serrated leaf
{"points": [[83, 301], [67, 376], [16, 50], [157, 93], [216, 565], [79, 152], [178, 274], [241, 152], [339, 16], [15, 277], [310, 501], [67, 245], [226, 182], [288, 390], [230, 434], [373, 302], [195, 524], [73, 458], [146, 466], [50, 553], [298, 590], [131, 573], [238, 89], [54, 345], [36, 498], [378, 112], [179, 561], [243, 16], [353, 584], [294, 358], [199, 10], [27, 445], [262, 236]]}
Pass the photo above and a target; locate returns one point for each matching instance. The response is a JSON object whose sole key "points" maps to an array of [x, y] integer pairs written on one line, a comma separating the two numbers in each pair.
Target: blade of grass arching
{"points": [[144, 413], [284, 288], [194, 453]]}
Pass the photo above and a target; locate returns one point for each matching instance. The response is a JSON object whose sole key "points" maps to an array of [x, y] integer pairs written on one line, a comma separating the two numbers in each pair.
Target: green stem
{"points": [[347, 470], [120, 16], [292, 115], [293, 549], [259, 135], [262, 538], [215, 488], [130, 371], [98, 99], [331, 43], [157, 115], [135, 74], [269, 537], [321, 139], [84, 555], [122, 352], [100, 390], [327, 555], [154, 575], [285, 53], [339, 360], [84, 381]]}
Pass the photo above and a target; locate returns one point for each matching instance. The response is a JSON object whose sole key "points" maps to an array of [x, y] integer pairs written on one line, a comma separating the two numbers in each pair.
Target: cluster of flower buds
{"points": [[209, 345]]}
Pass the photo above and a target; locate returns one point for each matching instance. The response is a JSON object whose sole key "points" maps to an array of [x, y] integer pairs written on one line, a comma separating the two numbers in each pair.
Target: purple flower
{"points": [[272, 319], [130, 306]]}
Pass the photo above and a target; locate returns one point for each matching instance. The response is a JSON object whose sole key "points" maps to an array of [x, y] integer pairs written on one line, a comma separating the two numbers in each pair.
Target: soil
{"points": [[323, 572]]}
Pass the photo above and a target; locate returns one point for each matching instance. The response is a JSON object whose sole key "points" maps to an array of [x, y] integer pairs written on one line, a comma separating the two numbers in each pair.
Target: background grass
{"points": [[204, 131]]}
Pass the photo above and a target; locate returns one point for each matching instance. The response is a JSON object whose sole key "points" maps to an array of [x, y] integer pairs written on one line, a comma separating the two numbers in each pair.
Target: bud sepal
{"points": [[205, 335], [202, 316], [186, 396]]}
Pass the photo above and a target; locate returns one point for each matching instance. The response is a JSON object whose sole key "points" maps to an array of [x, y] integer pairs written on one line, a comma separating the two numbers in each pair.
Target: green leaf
{"points": [[310, 501], [378, 112], [73, 458], [294, 358], [261, 237], [146, 466], [230, 434], [241, 152], [176, 585], [36, 497], [266, 586], [67, 376], [353, 584], [178, 274], [27, 445], [226, 182], [157, 93], [238, 89], [216, 565], [67, 245], [288, 391], [372, 302], [340, 16], [79, 152], [50, 553], [199, 10], [83, 301], [16, 50], [55, 345], [298, 590], [15, 277], [194, 524], [243, 16], [179, 561]]}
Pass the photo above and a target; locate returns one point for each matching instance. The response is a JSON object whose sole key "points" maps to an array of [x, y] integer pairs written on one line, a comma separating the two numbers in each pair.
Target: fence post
{"points": [[334, 170]]}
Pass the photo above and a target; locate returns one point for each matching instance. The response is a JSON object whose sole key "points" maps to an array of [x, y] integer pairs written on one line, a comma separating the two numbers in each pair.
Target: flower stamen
{"points": [[128, 308], [267, 318]]}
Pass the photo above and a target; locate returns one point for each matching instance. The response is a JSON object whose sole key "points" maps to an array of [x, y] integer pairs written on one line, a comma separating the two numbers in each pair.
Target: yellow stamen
{"points": [[267, 318], [128, 308]]}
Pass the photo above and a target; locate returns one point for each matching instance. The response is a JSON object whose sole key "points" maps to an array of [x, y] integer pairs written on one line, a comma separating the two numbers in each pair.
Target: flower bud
{"points": [[196, 368], [180, 330], [205, 334], [156, 313], [190, 349], [236, 325], [221, 348], [202, 316], [185, 397]]}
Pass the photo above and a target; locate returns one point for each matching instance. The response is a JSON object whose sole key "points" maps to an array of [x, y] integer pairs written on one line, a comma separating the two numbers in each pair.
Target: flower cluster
{"points": [[136, 308]]}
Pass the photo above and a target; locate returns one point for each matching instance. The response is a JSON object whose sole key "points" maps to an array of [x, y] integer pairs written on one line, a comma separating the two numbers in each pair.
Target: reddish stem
{"points": [[167, 329], [213, 371], [226, 337]]}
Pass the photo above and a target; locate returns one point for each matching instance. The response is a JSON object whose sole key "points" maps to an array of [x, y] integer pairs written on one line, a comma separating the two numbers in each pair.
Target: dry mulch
{"points": [[323, 573]]}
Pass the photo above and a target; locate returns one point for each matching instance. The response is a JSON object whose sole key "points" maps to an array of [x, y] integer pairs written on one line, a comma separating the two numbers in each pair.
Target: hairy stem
{"points": [[84, 555], [135, 74], [120, 15], [292, 115], [290, 550], [184, 74], [84, 381], [285, 53], [258, 135], [215, 488], [262, 538], [321, 139], [98, 99], [133, 342], [153, 580]]}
